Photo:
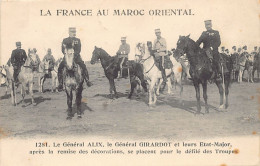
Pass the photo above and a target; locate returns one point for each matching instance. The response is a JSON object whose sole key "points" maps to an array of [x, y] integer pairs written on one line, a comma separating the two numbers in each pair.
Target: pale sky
{"points": [[237, 21]]}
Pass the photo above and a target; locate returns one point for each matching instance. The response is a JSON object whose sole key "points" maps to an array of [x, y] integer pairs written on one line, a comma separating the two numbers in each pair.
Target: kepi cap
{"points": [[234, 47], [49, 50], [123, 38], [72, 29], [157, 30], [18, 43], [207, 21]]}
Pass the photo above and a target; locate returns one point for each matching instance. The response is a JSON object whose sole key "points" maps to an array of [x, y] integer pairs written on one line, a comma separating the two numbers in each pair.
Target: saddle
{"points": [[167, 64]]}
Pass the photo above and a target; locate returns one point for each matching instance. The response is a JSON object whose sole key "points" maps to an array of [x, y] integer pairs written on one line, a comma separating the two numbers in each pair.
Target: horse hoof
{"points": [[34, 104], [221, 106], [79, 117], [69, 118]]}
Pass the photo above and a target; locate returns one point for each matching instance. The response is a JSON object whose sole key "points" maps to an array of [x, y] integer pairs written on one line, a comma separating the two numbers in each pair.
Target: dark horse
{"points": [[201, 70], [73, 80], [111, 69]]}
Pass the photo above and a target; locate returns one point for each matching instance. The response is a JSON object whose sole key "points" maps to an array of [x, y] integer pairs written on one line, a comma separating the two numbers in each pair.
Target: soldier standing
{"points": [[122, 53], [18, 58], [160, 48], [72, 40], [211, 41]]}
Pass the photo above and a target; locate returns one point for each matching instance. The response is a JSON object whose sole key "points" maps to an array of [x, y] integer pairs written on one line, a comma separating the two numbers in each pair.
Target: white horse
{"points": [[153, 74], [54, 75], [25, 77], [174, 74]]}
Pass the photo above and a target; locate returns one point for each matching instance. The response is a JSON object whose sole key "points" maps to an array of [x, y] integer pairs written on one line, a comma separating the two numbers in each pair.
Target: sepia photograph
{"points": [[171, 82]]}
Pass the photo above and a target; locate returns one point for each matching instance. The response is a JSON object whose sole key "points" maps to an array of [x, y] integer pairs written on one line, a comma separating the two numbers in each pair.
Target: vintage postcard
{"points": [[170, 82]]}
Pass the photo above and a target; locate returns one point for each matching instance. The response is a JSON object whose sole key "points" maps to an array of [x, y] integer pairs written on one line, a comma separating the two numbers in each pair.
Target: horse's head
{"points": [[182, 45], [32, 60], [45, 65], [95, 55], [140, 50], [69, 56]]}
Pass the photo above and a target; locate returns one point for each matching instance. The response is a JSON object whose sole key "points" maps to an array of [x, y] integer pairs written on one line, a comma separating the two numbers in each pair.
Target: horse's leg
{"points": [[252, 76], [154, 97], [227, 82], [169, 84], [179, 81], [111, 88], [258, 73], [69, 102], [205, 96], [43, 83], [13, 93], [150, 92], [31, 92], [197, 89], [133, 86], [53, 83], [114, 88], [56, 83], [221, 93], [23, 91], [39, 84], [78, 99], [158, 88]]}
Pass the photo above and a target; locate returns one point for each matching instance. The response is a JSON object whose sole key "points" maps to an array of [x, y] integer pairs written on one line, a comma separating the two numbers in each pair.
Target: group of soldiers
{"points": [[19, 56], [210, 39]]}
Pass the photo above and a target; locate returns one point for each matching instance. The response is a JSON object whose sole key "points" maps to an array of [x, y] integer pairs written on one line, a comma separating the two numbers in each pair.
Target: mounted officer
{"points": [[122, 53], [211, 41], [18, 58], [72, 40], [49, 57], [160, 48]]}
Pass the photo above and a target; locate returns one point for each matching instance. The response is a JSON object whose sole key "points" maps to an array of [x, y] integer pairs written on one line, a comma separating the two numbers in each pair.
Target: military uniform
{"points": [[211, 41], [160, 49], [18, 58], [76, 44], [50, 58], [122, 53]]}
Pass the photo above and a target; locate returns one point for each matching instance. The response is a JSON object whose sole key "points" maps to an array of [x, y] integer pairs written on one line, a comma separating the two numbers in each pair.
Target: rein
{"points": [[143, 60]]}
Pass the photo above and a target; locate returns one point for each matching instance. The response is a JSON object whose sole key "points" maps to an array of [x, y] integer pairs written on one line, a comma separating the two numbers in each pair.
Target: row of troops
{"points": [[210, 39]]}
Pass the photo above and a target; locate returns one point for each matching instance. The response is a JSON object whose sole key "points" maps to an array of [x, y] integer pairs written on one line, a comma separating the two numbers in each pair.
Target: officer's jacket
{"points": [[49, 58], [161, 46], [209, 38], [70, 40], [124, 49], [18, 57]]}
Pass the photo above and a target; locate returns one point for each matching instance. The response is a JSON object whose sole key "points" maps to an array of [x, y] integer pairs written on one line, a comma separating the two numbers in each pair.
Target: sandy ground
{"points": [[124, 118]]}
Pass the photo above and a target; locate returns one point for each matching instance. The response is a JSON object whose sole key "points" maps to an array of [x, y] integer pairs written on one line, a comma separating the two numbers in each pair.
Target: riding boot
{"points": [[164, 76], [60, 79], [86, 77], [16, 73]]}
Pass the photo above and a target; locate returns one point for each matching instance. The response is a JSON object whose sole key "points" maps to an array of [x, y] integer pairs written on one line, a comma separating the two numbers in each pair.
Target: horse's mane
{"points": [[103, 51], [194, 45]]}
